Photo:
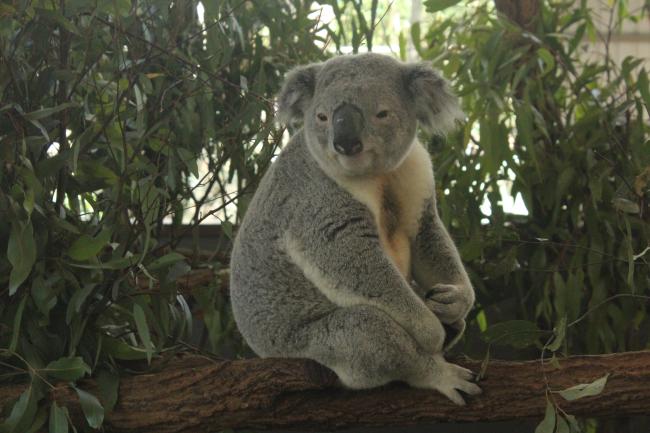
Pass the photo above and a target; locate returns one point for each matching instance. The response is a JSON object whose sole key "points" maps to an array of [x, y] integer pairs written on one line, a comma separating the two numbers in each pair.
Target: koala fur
{"points": [[341, 256]]}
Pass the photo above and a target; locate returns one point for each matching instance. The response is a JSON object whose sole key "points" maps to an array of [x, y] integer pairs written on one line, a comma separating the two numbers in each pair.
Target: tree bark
{"points": [[194, 394]]}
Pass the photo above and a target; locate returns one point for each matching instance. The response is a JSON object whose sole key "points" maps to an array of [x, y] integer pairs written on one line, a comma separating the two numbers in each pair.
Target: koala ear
{"points": [[296, 92], [436, 106]]}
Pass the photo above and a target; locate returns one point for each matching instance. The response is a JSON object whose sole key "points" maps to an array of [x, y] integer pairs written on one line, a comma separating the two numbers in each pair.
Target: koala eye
{"points": [[322, 117], [382, 114]]}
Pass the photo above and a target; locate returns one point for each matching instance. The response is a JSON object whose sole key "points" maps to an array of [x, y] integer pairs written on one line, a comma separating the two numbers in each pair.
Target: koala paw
{"points": [[449, 302], [452, 378]]}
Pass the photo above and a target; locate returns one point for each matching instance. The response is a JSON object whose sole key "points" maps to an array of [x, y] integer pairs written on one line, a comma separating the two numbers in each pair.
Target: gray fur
{"points": [[309, 273]]}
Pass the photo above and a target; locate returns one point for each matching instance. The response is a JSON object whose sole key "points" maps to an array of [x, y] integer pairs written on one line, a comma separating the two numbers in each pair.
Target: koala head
{"points": [[360, 112]]}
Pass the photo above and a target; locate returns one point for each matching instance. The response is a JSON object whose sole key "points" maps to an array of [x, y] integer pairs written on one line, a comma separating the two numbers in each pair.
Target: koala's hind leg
{"points": [[366, 348]]}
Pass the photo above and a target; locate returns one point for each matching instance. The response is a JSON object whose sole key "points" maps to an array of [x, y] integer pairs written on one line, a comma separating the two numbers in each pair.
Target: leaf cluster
{"points": [[107, 110], [565, 131]]}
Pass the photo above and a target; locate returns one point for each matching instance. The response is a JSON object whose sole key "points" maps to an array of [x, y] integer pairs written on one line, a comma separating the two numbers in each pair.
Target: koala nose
{"points": [[347, 124], [348, 148]]}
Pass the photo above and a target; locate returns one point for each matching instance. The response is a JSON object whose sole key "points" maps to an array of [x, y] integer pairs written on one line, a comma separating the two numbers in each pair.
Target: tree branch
{"points": [[194, 394]]}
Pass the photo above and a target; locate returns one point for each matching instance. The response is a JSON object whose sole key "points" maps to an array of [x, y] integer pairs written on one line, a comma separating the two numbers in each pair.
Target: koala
{"points": [[341, 257]]}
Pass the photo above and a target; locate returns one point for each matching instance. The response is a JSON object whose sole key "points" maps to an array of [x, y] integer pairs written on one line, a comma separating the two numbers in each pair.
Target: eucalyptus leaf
{"points": [[18, 320], [40, 419], [21, 253], [47, 112], [548, 423], [559, 334], [515, 333], [644, 88], [438, 5], [165, 261], [548, 60], [562, 425], [69, 368], [143, 329], [58, 419], [23, 412], [18, 411], [108, 386], [625, 205], [86, 246], [574, 426], [118, 349], [92, 408], [585, 389]]}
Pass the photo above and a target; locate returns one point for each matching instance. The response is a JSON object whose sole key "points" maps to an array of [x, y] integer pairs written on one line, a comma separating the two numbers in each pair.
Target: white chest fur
{"points": [[396, 200]]}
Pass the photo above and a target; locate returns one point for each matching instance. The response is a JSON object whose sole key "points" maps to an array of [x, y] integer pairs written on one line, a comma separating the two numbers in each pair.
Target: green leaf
{"points": [[625, 205], [143, 329], [416, 37], [77, 300], [560, 294], [28, 203], [91, 171], [644, 89], [86, 246], [562, 425], [573, 424], [115, 264], [68, 369], [515, 333], [187, 313], [547, 59], [401, 38], [585, 389], [18, 318], [560, 333], [21, 253], [120, 350], [165, 261], [438, 5], [564, 181], [58, 419], [481, 321], [484, 366], [22, 413], [226, 227], [64, 225], [47, 112], [38, 421], [548, 423], [91, 407], [17, 412], [108, 385], [190, 160]]}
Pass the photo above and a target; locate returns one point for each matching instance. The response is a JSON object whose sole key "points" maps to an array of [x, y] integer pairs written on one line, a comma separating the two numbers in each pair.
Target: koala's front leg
{"points": [[343, 258], [439, 272]]}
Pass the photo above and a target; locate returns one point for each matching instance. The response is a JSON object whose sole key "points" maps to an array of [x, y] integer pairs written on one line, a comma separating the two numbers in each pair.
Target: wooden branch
{"points": [[193, 394]]}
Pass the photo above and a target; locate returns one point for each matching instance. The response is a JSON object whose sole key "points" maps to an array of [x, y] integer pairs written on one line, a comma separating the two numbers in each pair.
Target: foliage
{"points": [[568, 131], [358, 24], [106, 109]]}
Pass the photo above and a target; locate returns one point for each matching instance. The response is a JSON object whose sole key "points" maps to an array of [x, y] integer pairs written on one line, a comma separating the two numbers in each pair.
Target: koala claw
{"points": [[448, 302], [453, 378], [443, 293]]}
